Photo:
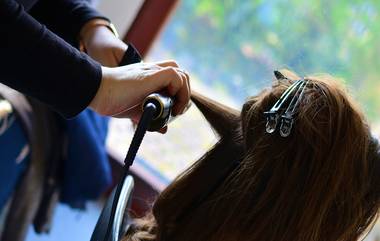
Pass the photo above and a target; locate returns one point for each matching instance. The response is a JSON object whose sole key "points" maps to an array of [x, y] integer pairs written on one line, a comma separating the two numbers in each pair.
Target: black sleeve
{"points": [[38, 63], [65, 17]]}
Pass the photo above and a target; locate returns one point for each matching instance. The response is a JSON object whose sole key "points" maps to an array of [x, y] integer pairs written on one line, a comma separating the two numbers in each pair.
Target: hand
{"points": [[101, 44], [122, 89]]}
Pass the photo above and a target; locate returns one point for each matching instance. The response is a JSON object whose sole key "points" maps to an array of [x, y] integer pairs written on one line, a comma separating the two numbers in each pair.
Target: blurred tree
{"points": [[234, 45]]}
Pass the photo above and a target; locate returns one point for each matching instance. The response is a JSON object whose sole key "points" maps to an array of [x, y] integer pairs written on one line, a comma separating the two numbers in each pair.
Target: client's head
{"points": [[320, 183]]}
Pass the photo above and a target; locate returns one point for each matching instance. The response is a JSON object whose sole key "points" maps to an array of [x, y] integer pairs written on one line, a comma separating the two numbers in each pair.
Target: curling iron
{"points": [[156, 113], [113, 221]]}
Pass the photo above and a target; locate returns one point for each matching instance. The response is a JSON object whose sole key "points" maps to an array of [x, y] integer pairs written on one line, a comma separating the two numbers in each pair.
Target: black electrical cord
{"points": [[148, 114], [156, 113]]}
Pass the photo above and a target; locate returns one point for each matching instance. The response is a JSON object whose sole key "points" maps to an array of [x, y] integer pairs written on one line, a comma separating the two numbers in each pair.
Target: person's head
{"points": [[318, 184]]}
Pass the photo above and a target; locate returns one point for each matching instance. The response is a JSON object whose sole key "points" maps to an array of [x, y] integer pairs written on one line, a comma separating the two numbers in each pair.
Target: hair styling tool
{"points": [[156, 111], [286, 113], [113, 223]]}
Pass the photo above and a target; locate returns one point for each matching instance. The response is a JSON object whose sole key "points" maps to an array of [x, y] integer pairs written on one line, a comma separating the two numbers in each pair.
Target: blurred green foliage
{"points": [[234, 45]]}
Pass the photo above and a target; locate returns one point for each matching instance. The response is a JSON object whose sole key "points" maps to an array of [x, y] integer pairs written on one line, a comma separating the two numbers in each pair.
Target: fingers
{"points": [[177, 84], [180, 87], [167, 63], [183, 95], [187, 77], [167, 76]]}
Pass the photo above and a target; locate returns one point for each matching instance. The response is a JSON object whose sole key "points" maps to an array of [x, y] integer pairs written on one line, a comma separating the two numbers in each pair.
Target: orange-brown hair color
{"points": [[319, 184]]}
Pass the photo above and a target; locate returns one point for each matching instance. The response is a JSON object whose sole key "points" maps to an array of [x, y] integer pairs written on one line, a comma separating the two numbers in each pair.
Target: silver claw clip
{"points": [[287, 118], [273, 114]]}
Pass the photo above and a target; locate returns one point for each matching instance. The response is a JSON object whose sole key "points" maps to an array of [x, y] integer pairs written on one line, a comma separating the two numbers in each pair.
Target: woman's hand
{"points": [[101, 44], [124, 88]]}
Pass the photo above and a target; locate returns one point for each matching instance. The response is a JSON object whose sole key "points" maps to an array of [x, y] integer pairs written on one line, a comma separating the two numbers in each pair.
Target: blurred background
{"points": [[231, 48]]}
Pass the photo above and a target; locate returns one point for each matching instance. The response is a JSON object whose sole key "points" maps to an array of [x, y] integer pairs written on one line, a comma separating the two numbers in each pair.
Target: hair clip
{"points": [[288, 117], [273, 115], [279, 75]]}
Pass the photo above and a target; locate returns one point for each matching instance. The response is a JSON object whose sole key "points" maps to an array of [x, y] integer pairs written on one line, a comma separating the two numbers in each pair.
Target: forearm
{"points": [[38, 63]]}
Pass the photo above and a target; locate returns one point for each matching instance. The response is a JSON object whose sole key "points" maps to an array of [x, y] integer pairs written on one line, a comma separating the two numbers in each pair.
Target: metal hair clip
{"points": [[273, 115], [288, 117]]}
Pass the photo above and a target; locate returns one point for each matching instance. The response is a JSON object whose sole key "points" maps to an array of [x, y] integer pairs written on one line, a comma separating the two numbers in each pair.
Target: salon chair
{"points": [[110, 228]]}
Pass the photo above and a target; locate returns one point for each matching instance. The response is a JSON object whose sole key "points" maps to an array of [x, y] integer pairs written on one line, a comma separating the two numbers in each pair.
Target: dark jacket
{"points": [[37, 57]]}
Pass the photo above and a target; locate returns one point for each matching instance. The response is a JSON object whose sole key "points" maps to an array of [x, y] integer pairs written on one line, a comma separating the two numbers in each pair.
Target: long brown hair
{"points": [[318, 184]]}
